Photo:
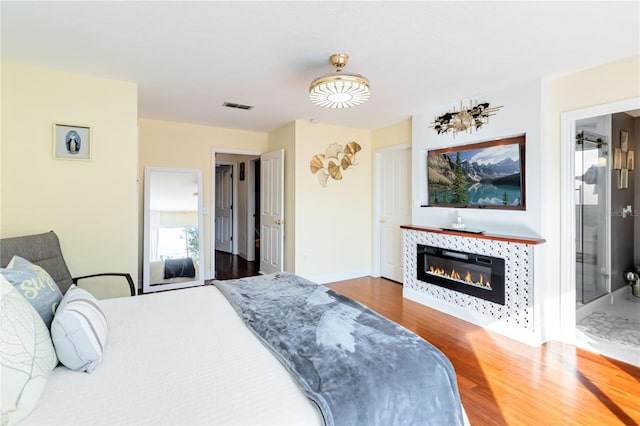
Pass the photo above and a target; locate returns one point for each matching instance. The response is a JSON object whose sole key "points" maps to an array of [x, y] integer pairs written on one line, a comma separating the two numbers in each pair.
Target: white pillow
{"points": [[26, 355], [79, 330]]}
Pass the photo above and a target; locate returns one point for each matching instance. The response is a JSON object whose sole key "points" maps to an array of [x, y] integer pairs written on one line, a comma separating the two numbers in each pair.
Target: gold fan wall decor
{"points": [[336, 159]]}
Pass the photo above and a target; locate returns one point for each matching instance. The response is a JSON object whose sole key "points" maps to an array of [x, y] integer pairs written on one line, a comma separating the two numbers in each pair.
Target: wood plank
{"points": [[483, 235], [505, 382]]}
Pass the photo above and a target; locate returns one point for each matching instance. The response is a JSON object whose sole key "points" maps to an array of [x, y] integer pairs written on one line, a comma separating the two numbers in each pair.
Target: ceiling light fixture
{"points": [[339, 90]]}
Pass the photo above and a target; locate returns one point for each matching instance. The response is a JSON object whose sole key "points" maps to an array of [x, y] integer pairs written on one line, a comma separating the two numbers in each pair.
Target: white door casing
{"points": [[212, 225], [223, 208], [272, 212], [568, 120], [242, 210], [394, 208], [252, 209]]}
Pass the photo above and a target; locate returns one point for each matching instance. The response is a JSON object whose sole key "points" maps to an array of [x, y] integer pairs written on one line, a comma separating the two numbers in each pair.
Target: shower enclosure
{"points": [[591, 197]]}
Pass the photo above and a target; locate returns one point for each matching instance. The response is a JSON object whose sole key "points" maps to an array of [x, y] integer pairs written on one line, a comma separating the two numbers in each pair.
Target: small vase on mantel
{"points": [[458, 224]]}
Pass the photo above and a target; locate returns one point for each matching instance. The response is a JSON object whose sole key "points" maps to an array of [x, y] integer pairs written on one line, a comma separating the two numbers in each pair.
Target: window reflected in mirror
{"points": [[173, 228]]}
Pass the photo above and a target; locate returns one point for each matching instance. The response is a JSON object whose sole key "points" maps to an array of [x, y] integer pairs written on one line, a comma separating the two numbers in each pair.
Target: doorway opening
{"points": [[600, 225], [256, 211], [226, 220], [234, 185]]}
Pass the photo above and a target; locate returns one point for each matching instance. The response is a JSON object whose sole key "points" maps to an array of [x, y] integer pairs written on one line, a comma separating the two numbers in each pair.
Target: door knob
{"points": [[278, 222]]}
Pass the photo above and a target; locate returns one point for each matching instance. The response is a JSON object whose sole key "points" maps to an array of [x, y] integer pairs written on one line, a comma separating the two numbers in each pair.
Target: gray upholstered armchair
{"points": [[44, 250]]}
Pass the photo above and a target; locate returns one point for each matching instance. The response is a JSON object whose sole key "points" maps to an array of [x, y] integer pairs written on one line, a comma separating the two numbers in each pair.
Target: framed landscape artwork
{"points": [[481, 175]]}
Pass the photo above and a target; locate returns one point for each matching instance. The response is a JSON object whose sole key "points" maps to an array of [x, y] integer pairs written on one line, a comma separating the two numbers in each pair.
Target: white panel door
{"points": [[224, 208], [395, 209], [272, 212]]}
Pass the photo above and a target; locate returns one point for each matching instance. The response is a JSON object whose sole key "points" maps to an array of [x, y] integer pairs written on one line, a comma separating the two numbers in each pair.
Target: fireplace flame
{"points": [[456, 276]]}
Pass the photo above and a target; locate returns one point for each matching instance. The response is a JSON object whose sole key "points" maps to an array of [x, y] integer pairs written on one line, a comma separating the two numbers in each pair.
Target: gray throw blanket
{"points": [[183, 267], [357, 366]]}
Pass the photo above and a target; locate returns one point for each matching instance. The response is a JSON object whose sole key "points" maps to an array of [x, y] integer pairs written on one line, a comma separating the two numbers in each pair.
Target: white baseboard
{"points": [[491, 324], [339, 276]]}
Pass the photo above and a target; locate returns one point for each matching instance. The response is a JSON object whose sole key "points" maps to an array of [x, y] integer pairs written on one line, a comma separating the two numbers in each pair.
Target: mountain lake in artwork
{"points": [[476, 177]]}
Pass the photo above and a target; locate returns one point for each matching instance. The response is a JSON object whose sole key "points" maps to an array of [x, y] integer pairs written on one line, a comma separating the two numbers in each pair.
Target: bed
{"points": [[159, 273], [191, 357]]}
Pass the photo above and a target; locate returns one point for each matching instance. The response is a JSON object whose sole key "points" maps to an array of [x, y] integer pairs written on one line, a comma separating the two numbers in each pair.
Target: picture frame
{"points": [[617, 159], [242, 171], [71, 142], [623, 179], [484, 175], [630, 161], [624, 140]]}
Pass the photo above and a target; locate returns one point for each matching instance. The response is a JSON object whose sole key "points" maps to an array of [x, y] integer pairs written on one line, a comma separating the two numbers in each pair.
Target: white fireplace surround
{"points": [[516, 319]]}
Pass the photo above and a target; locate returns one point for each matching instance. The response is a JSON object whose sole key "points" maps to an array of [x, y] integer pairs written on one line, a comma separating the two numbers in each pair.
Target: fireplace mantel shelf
{"points": [[484, 236]]}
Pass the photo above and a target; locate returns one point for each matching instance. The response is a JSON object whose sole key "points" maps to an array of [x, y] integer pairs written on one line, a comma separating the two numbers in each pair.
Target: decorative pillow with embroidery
{"points": [[35, 284], [27, 355]]}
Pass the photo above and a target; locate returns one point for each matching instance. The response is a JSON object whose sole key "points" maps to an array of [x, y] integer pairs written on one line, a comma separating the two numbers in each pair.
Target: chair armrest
{"points": [[112, 274]]}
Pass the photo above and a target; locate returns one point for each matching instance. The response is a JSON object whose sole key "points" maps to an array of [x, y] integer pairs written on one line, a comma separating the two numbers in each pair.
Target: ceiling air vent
{"points": [[237, 106]]}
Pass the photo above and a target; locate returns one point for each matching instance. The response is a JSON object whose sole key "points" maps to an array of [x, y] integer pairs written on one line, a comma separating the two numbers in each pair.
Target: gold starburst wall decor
{"points": [[335, 159], [473, 117]]}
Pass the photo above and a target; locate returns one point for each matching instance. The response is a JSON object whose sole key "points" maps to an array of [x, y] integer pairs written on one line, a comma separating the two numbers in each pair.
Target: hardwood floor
{"points": [[229, 266], [501, 381], [504, 382]]}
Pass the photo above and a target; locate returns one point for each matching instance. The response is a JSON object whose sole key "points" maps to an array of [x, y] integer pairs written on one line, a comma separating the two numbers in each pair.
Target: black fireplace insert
{"points": [[473, 274]]}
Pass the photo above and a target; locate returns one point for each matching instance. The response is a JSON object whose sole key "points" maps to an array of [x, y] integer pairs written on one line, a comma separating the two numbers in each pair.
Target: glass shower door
{"points": [[591, 186]]}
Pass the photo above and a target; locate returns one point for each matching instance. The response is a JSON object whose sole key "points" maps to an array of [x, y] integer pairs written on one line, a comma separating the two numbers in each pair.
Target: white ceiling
{"points": [[189, 57]]}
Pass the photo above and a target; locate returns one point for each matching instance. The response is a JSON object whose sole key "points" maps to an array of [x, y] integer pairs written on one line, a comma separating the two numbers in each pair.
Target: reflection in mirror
{"points": [[172, 229]]}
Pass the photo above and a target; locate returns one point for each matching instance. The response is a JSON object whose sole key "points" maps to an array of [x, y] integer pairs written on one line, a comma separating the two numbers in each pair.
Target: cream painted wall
{"points": [[396, 134], [172, 144], [285, 138], [234, 158], [333, 228], [174, 218], [351, 215], [91, 205]]}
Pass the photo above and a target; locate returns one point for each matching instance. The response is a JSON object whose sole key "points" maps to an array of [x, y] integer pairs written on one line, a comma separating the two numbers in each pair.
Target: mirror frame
{"points": [[146, 285]]}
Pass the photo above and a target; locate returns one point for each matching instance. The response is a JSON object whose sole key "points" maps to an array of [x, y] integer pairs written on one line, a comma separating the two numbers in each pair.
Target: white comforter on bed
{"points": [[179, 357]]}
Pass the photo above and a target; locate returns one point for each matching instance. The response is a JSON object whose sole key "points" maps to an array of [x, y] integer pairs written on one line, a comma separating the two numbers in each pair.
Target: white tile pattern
{"points": [[518, 308]]}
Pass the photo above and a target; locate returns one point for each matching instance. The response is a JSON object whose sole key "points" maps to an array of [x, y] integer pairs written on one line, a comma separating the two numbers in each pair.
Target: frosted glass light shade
{"points": [[339, 91]]}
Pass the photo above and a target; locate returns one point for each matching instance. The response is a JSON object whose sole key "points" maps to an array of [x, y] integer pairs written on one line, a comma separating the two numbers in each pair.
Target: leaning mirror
{"points": [[172, 229]]}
